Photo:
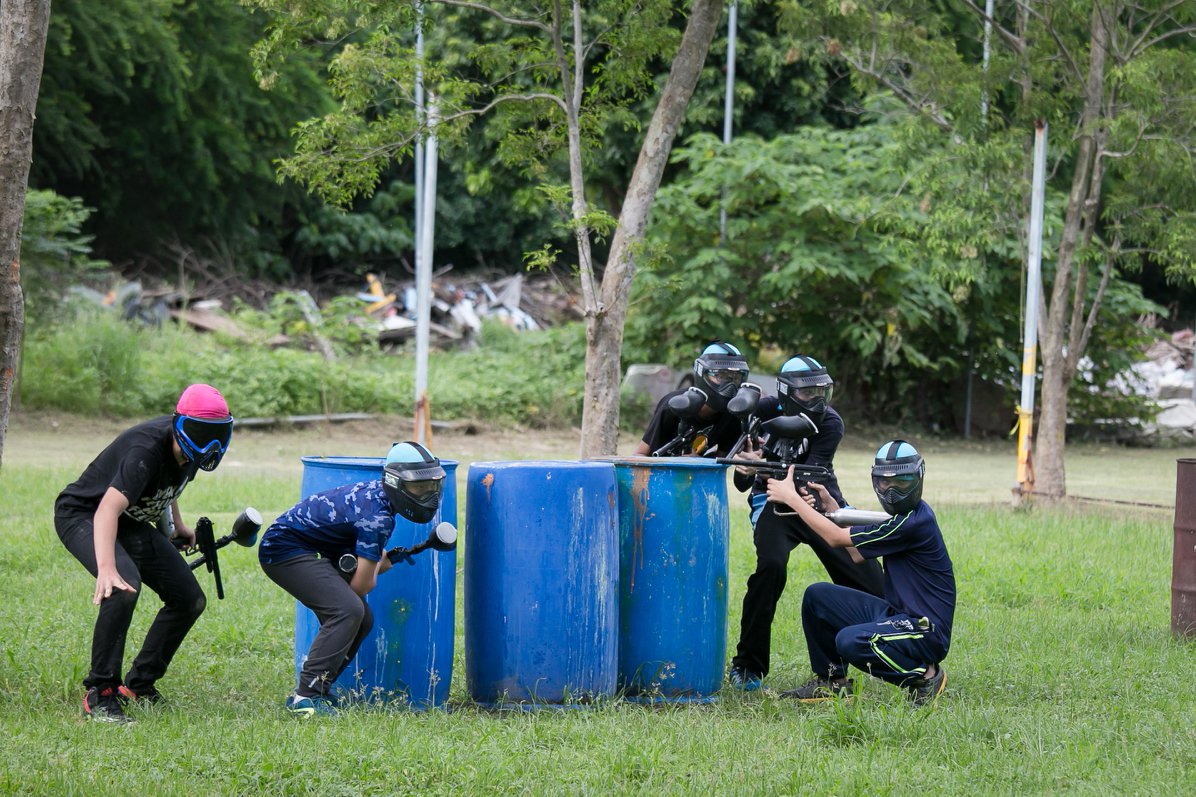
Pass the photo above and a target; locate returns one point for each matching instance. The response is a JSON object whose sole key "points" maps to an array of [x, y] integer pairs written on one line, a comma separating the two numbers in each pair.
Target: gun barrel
{"points": [[857, 517], [807, 472]]}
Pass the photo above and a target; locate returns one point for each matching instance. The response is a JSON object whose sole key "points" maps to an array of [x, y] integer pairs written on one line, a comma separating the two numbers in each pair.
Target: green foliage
{"points": [[818, 259], [148, 111], [54, 249], [93, 364], [1135, 115]]}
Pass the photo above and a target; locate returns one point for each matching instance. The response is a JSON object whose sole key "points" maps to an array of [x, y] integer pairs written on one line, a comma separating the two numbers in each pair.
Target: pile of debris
{"points": [[1170, 377], [458, 308]]}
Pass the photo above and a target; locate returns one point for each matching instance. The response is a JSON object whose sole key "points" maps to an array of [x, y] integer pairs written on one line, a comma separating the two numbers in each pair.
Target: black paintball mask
{"points": [[719, 371], [413, 480], [897, 477], [805, 386]]}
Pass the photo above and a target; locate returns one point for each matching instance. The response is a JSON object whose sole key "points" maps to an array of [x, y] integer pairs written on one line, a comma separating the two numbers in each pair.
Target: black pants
{"points": [[844, 626], [775, 537], [344, 616], [143, 556]]}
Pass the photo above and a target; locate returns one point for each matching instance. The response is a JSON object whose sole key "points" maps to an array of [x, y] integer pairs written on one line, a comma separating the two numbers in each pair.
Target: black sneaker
{"points": [[103, 705], [821, 688], [146, 697], [927, 690]]}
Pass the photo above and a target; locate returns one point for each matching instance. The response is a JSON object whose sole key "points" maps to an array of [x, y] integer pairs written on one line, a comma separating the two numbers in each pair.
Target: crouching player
{"points": [[903, 637], [301, 550], [108, 520]]}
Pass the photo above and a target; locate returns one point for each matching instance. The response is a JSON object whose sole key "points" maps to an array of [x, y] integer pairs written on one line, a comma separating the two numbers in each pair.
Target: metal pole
{"points": [[728, 107], [1025, 410], [419, 119], [1183, 560], [988, 32], [423, 283]]}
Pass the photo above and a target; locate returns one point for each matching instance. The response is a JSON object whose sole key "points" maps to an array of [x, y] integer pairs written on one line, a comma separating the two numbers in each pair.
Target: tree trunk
{"points": [[1059, 364], [23, 25], [604, 330]]}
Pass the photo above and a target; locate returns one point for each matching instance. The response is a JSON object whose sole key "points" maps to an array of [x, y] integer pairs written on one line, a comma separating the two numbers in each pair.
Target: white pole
{"points": [[419, 118], [1025, 410], [423, 281], [728, 107], [988, 32]]}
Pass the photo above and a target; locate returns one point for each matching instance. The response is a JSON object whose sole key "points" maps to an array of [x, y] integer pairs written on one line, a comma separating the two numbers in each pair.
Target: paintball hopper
{"points": [[687, 404], [442, 538], [745, 400], [790, 427], [246, 527]]}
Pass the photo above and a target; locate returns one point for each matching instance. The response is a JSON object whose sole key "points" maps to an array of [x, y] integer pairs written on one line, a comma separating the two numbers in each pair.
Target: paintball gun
{"points": [[743, 406], [690, 437], [244, 532], [785, 443], [442, 538]]}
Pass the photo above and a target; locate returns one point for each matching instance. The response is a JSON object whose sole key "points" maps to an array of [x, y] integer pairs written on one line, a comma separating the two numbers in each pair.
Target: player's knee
{"points": [[355, 613], [197, 606], [851, 644], [816, 594], [123, 601], [772, 568]]}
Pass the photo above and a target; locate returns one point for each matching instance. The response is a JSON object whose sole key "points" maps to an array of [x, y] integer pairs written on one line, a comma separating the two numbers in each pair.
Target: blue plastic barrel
{"points": [[673, 564], [408, 654], [541, 583]]}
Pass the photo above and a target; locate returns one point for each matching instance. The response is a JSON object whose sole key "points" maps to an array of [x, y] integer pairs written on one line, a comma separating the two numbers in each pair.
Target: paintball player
{"points": [[904, 636], [300, 552], [108, 520], [804, 389], [718, 373]]}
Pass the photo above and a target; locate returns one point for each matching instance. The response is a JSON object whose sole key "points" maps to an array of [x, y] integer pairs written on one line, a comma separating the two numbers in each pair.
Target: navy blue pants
{"points": [[845, 626], [775, 537]]}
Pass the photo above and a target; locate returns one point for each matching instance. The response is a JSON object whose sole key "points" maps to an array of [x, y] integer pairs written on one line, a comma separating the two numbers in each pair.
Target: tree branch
{"points": [[1090, 322], [1012, 39], [1160, 16], [1071, 62], [494, 12], [924, 107]]}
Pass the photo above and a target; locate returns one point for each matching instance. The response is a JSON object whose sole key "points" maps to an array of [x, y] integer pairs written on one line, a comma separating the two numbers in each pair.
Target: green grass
{"points": [[1064, 678]]}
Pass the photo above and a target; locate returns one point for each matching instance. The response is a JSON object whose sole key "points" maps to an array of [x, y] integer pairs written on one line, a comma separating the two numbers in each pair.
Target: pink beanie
{"points": [[202, 401]]}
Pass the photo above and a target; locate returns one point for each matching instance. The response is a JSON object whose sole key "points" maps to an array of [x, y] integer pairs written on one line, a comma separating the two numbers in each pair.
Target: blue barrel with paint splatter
{"points": [[674, 531], [541, 583], [407, 657]]}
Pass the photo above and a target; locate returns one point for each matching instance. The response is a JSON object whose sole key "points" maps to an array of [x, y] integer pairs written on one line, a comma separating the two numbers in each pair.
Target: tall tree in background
{"points": [[23, 26], [1115, 80], [552, 76]]}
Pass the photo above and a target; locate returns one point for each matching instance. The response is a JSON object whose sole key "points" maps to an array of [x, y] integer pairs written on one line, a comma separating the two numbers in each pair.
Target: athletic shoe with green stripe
{"points": [[927, 690]]}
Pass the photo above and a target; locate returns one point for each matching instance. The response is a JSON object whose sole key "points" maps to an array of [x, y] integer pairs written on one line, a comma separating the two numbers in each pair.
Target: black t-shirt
{"points": [[664, 424], [140, 464], [817, 449]]}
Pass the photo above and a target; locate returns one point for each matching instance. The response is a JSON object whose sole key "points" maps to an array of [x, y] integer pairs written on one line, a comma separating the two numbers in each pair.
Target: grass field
{"points": [[1064, 678]]}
